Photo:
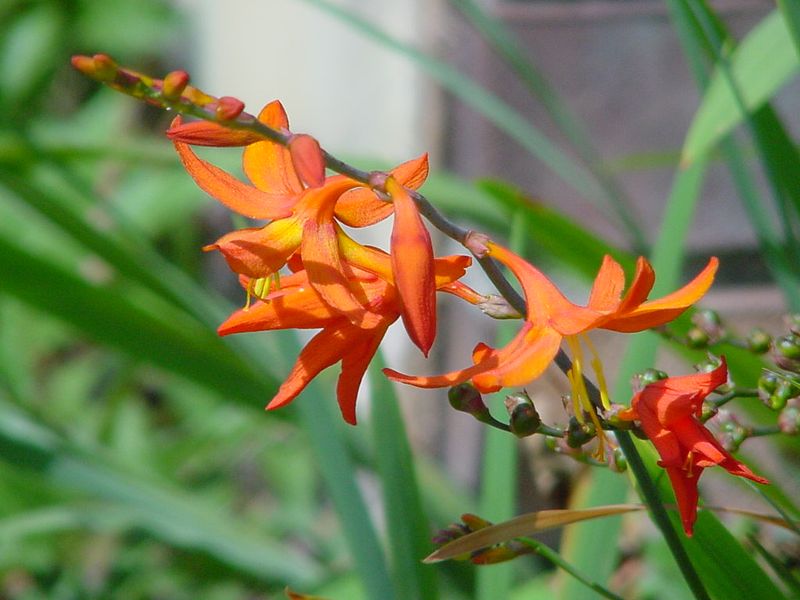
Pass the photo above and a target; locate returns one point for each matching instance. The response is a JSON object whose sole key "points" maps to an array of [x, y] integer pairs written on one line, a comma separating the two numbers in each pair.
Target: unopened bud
{"points": [[767, 384], [105, 69], [174, 84], [786, 389], [709, 321], [497, 307], [466, 398], [640, 380], [789, 419], [708, 411], [758, 341], [523, 418], [228, 108], [731, 433], [697, 338], [579, 433], [307, 159], [618, 461], [612, 417]]}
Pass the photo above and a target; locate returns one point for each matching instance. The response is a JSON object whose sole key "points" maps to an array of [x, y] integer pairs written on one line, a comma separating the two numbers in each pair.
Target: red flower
{"points": [[669, 411]]}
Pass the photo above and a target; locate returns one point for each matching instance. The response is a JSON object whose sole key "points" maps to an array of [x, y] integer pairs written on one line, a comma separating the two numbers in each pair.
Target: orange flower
{"points": [[302, 218], [669, 411], [298, 305], [550, 317]]}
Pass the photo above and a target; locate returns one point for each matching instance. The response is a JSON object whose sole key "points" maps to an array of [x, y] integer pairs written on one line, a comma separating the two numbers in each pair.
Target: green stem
{"points": [[659, 515], [554, 557]]}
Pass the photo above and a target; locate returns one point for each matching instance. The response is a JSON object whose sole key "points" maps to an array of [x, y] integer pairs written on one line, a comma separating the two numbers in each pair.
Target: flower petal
{"points": [[287, 308], [413, 268], [642, 283], [545, 303], [657, 312], [608, 285], [354, 365], [686, 495], [268, 164], [320, 252], [239, 197], [522, 361], [259, 252], [326, 348], [360, 206]]}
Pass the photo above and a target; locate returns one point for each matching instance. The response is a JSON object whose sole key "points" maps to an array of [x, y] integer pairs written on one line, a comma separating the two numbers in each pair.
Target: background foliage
{"points": [[135, 457]]}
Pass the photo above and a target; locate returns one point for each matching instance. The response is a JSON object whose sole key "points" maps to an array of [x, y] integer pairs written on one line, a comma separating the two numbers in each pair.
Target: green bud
{"points": [[646, 377], [783, 392], [697, 338], [788, 346], [523, 418], [620, 463], [709, 364], [767, 383], [578, 433], [466, 398], [789, 419], [708, 411], [759, 341]]}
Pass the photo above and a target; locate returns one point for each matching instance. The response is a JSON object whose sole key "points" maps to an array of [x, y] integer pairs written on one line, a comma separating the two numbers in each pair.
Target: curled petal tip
{"points": [[205, 133], [307, 159]]}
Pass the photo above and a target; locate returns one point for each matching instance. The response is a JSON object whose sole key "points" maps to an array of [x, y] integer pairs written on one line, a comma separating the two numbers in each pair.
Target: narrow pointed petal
{"points": [[360, 206], [657, 312], [413, 268], [608, 286], [686, 495], [288, 308], [206, 133], [354, 365], [239, 197], [536, 350], [307, 160], [259, 252], [437, 381], [642, 283], [326, 348], [268, 164]]}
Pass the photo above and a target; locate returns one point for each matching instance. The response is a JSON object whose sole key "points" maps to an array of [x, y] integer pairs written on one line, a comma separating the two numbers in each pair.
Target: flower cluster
{"points": [[352, 292]]}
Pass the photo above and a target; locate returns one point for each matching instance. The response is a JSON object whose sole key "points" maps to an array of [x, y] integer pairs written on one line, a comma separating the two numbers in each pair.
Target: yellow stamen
{"points": [[597, 366], [579, 389]]}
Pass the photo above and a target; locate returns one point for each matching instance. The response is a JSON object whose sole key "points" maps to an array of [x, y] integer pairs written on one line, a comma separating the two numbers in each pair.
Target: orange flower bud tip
{"points": [[84, 64], [307, 159], [477, 243], [105, 69], [174, 84], [228, 108]]}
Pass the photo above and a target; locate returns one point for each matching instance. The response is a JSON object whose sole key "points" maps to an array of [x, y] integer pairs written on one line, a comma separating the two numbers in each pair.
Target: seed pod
{"points": [[759, 341]]}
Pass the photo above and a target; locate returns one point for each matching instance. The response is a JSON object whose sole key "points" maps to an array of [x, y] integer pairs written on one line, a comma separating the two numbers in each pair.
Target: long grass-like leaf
{"points": [[503, 116], [166, 513], [504, 44], [766, 59], [408, 531]]}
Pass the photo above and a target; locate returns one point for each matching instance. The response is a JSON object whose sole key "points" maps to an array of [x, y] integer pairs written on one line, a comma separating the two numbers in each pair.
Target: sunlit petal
{"points": [[268, 164]]}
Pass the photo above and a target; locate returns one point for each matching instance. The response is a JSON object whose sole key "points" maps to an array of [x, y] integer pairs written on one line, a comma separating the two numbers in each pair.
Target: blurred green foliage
{"points": [[134, 456]]}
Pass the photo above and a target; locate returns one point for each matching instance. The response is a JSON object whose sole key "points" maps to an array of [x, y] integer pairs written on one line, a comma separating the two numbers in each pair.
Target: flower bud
{"points": [[497, 307], [618, 462], [788, 346], [786, 389], [523, 418], [758, 341], [174, 84], [709, 322], [228, 108], [465, 398], [789, 419], [105, 69], [307, 159], [697, 338], [731, 433], [767, 384], [578, 433], [646, 377], [708, 411]]}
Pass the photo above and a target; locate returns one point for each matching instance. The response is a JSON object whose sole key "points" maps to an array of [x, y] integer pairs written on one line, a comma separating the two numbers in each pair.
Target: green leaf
{"points": [[409, 533], [761, 65], [165, 512], [130, 320], [501, 114]]}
